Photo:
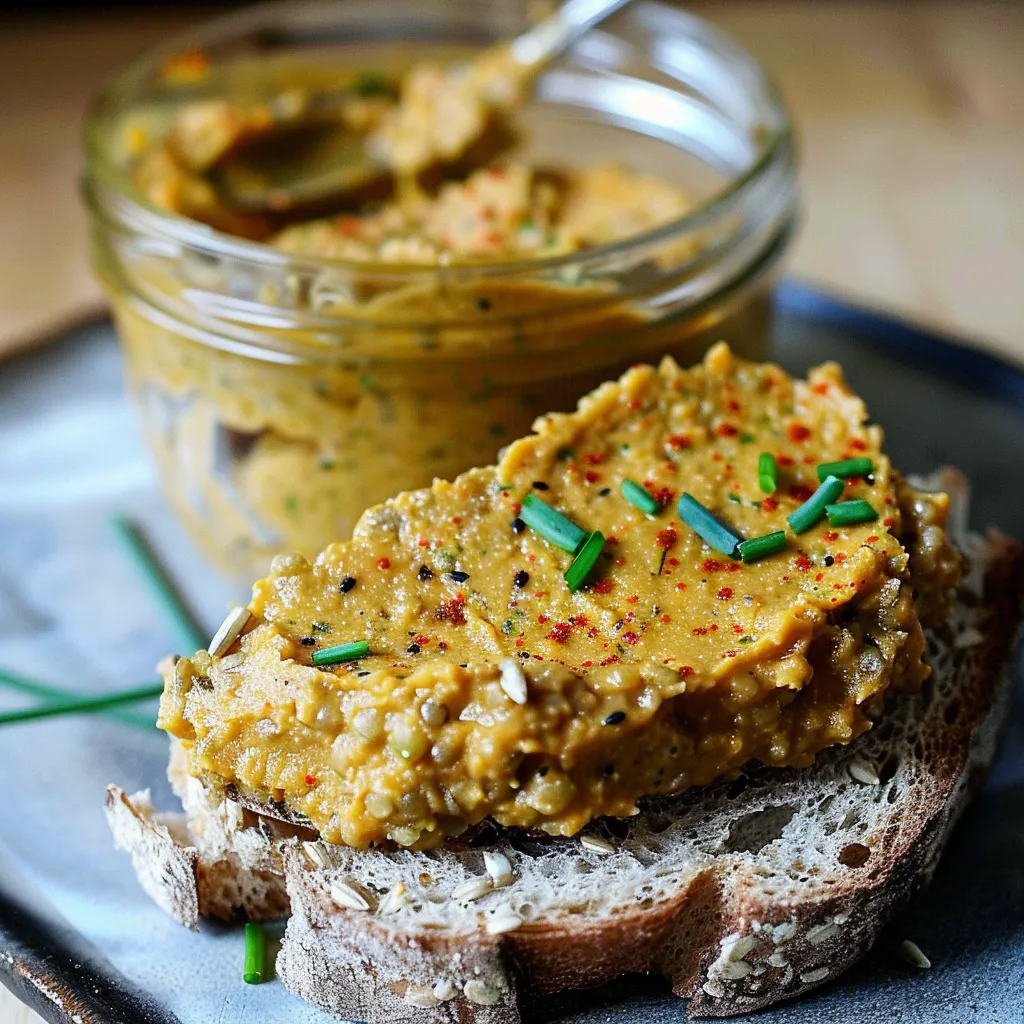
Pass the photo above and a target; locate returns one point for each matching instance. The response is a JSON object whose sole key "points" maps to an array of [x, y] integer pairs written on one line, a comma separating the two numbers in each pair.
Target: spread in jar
{"points": [[449, 664]]}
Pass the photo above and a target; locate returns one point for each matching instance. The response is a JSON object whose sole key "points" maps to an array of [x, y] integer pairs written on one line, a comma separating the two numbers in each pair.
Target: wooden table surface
{"points": [[911, 119]]}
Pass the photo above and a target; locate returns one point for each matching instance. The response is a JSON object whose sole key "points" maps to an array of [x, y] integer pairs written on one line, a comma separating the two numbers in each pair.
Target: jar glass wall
{"points": [[282, 394]]}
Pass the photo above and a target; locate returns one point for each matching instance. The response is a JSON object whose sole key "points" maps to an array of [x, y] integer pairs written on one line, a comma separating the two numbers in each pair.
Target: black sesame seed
{"points": [[539, 485], [672, 751], [543, 770], [459, 576], [870, 479], [829, 560], [483, 304], [608, 771], [362, 673], [615, 718], [520, 579], [518, 525], [347, 584], [425, 573], [413, 649], [308, 641], [605, 491]]}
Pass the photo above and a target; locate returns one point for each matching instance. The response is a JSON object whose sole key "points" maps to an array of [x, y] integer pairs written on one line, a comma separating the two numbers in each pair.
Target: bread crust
{"points": [[736, 904]]}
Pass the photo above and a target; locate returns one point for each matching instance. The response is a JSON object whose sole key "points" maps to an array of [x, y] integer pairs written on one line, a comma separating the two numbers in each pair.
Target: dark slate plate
{"points": [[78, 939]]}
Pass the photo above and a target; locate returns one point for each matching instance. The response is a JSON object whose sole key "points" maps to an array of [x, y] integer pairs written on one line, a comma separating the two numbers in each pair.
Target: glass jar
{"points": [[282, 395]]}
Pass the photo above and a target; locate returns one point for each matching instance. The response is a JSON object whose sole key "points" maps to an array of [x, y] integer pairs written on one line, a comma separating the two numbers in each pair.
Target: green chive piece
{"points": [[813, 509], [639, 497], [848, 467], [189, 636], [342, 652], [767, 472], [756, 548], [850, 513], [551, 524], [585, 561], [707, 526], [82, 705], [255, 953], [34, 688]]}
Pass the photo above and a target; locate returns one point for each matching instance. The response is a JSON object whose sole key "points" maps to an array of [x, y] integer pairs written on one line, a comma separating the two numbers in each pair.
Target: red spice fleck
{"points": [[888, 501], [620, 562], [685, 671], [808, 460], [680, 441], [456, 520], [727, 430], [594, 458], [666, 538], [631, 616], [700, 631], [610, 661], [803, 563], [737, 629], [586, 664], [873, 539], [820, 389], [517, 507], [632, 599], [785, 579], [800, 492], [442, 645], [841, 557], [592, 476], [453, 611], [857, 444], [542, 619], [421, 640], [664, 496], [714, 627], [820, 576], [634, 405], [730, 654], [725, 594], [602, 587], [611, 539], [631, 638], [666, 619], [798, 432], [540, 593], [519, 643], [769, 504], [680, 586], [579, 621], [783, 460], [837, 586], [560, 632], [734, 406], [593, 632], [716, 457], [383, 563], [888, 522], [830, 535], [424, 543], [311, 779], [672, 561]]}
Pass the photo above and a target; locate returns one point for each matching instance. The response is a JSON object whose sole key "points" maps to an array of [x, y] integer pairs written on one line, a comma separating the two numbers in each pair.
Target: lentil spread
{"points": [[494, 691]]}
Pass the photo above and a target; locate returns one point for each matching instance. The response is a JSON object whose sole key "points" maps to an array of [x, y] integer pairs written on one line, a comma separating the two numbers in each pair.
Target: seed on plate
{"points": [[230, 629], [912, 954], [477, 992], [595, 844], [394, 900], [499, 868], [861, 771], [513, 680], [472, 889], [445, 989], [504, 919], [317, 854], [346, 896]]}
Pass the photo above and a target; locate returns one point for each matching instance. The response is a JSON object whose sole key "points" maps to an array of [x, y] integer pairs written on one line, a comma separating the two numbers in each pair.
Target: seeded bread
{"points": [[741, 894]]}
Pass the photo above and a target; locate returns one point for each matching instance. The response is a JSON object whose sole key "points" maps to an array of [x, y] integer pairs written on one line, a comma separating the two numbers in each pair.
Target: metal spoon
{"points": [[324, 162]]}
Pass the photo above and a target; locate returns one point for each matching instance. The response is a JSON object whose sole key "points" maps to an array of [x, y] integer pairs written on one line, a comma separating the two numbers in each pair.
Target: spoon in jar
{"points": [[441, 113]]}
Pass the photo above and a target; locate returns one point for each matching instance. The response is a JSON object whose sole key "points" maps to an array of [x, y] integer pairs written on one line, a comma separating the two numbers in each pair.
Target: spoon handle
{"points": [[556, 33]]}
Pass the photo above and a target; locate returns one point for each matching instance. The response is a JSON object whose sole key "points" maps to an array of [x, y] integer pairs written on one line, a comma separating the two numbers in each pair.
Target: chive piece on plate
{"points": [[850, 513], [82, 705], [585, 561], [813, 509], [707, 526], [551, 524], [255, 953], [756, 548], [848, 467], [639, 497], [342, 652], [767, 472]]}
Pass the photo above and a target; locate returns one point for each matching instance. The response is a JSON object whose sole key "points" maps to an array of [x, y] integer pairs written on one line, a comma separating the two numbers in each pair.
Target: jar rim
{"points": [[775, 138]]}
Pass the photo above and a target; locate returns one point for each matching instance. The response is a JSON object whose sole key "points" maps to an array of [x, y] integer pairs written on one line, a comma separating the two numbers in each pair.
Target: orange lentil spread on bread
{"points": [[493, 690]]}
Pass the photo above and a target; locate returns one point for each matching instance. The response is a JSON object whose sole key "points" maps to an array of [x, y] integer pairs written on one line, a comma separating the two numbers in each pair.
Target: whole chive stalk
{"points": [[756, 548], [551, 524], [34, 688], [848, 467], [767, 472], [82, 705], [850, 513], [189, 636], [639, 497], [813, 509], [255, 953], [341, 652], [584, 562], [707, 526]]}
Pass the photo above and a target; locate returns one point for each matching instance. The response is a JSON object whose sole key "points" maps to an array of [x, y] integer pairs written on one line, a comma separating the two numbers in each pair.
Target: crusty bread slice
{"points": [[741, 893]]}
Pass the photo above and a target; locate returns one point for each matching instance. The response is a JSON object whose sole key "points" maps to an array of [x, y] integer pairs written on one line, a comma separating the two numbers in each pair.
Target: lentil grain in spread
{"points": [[671, 667]]}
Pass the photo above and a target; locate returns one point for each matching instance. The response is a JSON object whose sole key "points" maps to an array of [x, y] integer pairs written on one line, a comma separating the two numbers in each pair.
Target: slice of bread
{"points": [[741, 893]]}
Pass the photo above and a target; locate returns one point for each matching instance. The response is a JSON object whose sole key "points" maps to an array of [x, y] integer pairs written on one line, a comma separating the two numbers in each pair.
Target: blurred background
{"points": [[911, 120]]}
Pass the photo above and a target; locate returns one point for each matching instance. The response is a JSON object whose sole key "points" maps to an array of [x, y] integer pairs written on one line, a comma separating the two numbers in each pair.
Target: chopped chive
{"points": [[585, 561], [189, 636], [639, 497], [849, 513], [34, 688], [813, 509], [767, 472], [848, 467], [255, 953], [707, 526], [756, 548], [342, 652], [82, 705], [551, 524]]}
